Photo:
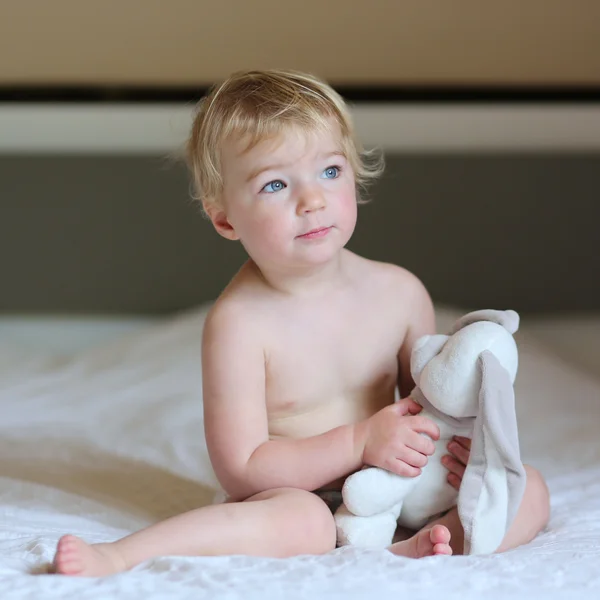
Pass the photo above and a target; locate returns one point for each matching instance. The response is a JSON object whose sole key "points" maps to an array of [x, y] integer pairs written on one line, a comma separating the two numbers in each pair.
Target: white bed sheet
{"points": [[109, 440], [573, 337], [65, 335]]}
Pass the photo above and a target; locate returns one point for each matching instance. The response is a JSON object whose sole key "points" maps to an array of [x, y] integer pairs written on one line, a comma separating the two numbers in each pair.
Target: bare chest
{"points": [[322, 373]]}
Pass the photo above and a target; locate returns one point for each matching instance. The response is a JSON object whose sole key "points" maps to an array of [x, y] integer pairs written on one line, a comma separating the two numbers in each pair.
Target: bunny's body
{"points": [[464, 383], [422, 497]]}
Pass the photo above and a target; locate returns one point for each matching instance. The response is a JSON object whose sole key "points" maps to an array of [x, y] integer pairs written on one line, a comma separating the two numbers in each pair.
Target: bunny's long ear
{"points": [[494, 481]]}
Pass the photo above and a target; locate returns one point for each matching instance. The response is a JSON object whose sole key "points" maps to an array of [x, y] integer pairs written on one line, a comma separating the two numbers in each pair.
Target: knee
{"points": [[537, 496], [305, 521], [316, 524]]}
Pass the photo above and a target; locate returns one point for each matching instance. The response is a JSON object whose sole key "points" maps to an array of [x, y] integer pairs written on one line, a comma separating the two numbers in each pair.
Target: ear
{"points": [[508, 319], [219, 219], [424, 350], [494, 481]]}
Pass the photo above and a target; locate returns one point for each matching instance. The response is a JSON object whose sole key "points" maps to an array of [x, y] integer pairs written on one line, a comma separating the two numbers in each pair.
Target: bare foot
{"points": [[75, 557], [427, 542]]}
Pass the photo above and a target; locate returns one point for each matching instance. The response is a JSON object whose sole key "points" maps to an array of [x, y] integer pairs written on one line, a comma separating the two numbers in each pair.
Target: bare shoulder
{"points": [[235, 310], [392, 278]]}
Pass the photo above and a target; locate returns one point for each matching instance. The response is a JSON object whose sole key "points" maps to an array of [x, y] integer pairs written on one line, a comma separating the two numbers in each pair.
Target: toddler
{"points": [[305, 350]]}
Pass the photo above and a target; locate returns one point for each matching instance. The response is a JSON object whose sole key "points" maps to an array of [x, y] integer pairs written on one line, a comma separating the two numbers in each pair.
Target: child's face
{"points": [[290, 201]]}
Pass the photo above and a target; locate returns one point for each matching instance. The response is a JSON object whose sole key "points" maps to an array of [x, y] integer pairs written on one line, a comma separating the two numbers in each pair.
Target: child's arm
{"points": [[421, 322], [247, 462]]}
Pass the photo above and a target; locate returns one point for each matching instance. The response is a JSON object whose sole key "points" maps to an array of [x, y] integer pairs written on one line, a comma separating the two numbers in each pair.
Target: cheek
{"points": [[267, 228], [274, 233], [348, 206]]}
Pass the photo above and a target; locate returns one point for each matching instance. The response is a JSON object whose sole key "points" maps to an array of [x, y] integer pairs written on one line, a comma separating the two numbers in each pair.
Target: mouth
{"points": [[315, 233]]}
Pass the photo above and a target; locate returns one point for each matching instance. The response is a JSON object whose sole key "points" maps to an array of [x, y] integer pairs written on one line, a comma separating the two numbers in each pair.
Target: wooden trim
{"points": [[161, 128]]}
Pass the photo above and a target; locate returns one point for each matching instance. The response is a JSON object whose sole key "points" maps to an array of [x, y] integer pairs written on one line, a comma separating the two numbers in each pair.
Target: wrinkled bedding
{"points": [[108, 439]]}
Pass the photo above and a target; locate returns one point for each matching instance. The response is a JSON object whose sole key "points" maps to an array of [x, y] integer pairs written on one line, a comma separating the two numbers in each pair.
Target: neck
{"points": [[302, 280]]}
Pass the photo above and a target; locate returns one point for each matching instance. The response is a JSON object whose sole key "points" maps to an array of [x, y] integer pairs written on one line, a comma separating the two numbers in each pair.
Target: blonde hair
{"points": [[259, 105]]}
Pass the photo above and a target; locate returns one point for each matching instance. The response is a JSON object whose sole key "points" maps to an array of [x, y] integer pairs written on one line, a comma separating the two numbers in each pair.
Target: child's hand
{"points": [[394, 441], [456, 461]]}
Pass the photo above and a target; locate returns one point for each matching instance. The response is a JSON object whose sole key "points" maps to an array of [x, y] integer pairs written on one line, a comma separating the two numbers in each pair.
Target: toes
{"points": [[439, 535], [440, 540], [66, 544], [68, 564], [69, 568], [442, 549], [67, 540], [67, 560]]}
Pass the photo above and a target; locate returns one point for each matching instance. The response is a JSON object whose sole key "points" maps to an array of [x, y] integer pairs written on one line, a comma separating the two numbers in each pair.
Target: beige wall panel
{"points": [[187, 42]]}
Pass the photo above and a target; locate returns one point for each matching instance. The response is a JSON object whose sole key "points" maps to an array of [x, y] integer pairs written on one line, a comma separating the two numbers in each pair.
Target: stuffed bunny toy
{"points": [[464, 382]]}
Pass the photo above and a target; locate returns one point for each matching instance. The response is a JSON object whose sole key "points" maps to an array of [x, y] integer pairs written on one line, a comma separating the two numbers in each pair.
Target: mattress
{"points": [[102, 434]]}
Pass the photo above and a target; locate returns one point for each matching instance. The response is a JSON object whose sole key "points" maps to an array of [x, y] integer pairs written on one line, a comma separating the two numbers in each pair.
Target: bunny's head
{"points": [[446, 367]]}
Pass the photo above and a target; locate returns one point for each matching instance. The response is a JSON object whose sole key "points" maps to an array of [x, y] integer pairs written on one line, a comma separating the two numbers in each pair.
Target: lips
{"points": [[315, 233]]}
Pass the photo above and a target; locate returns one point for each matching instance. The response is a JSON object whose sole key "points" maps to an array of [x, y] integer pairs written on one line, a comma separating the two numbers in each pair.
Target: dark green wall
{"points": [[119, 234]]}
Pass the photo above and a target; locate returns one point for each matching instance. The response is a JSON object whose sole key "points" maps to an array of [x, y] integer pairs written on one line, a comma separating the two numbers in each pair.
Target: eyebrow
{"points": [[256, 172]]}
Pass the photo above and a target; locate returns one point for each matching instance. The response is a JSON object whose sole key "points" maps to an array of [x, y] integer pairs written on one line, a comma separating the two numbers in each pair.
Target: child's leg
{"points": [[276, 523], [531, 518]]}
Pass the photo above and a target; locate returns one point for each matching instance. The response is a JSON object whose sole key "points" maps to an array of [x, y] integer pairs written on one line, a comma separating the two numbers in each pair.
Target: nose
{"points": [[310, 200]]}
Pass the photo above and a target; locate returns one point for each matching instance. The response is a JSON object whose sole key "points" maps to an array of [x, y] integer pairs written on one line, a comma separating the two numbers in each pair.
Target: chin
{"points": [[320, 256]]}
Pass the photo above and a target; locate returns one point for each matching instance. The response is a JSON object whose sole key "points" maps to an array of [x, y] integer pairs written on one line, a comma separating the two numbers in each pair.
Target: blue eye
{"points": [[331, 173], [273, 186]]}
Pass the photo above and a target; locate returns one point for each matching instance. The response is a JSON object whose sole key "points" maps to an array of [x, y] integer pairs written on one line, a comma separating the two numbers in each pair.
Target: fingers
{"points": [[401, 468], [407, 406], [421, 443], [456, 462], [455, 467], [425, 425], [463, 441], [412, 457], [454, 481], [459, 451]]}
